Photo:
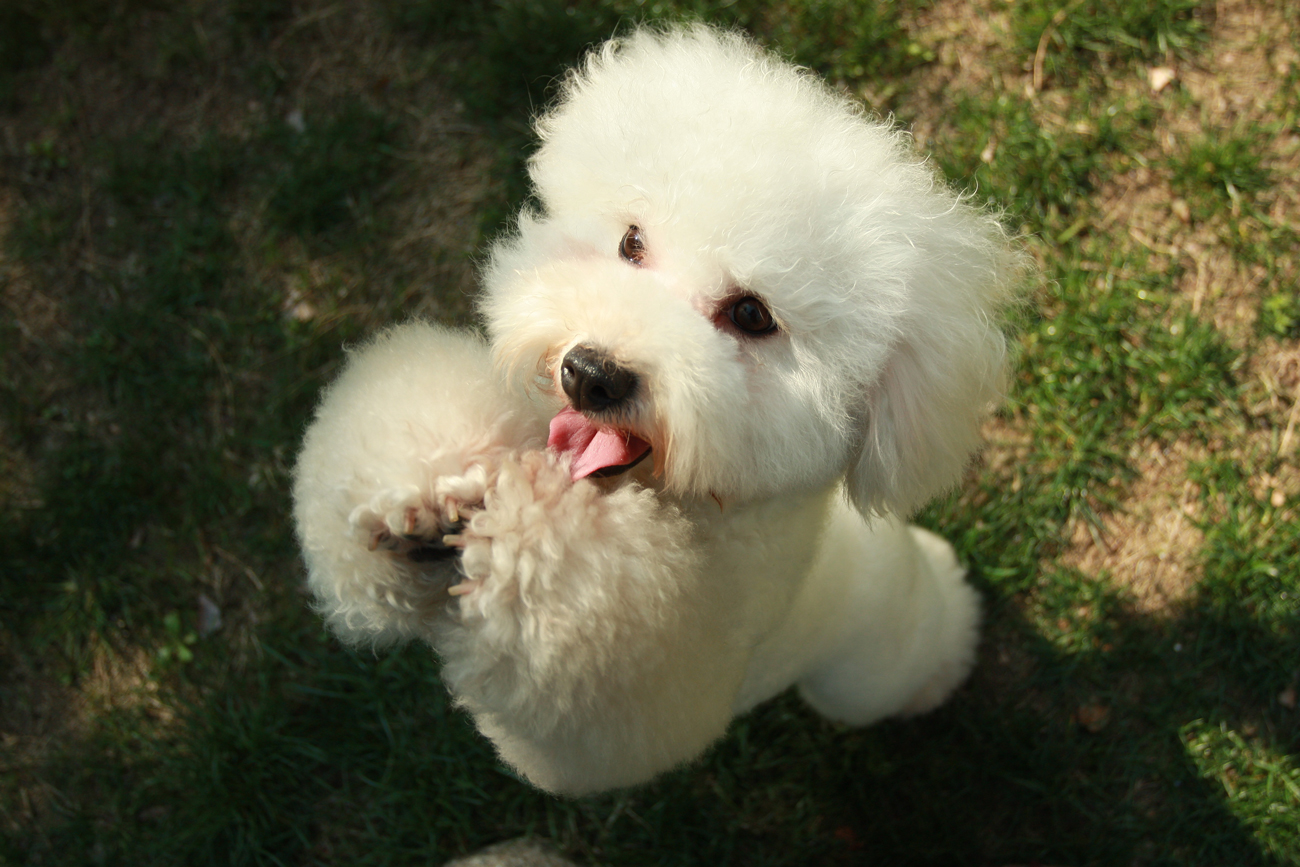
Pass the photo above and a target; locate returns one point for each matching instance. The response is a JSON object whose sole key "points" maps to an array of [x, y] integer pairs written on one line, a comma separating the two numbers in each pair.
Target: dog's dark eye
{"points": [[632, 248], [752, 316]]}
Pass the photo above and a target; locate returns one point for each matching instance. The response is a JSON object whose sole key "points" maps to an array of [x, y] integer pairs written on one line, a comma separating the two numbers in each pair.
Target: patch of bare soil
{"points": [[40, 716], [1150, 546], [973, 56], [1275, 372], [1237, 79]]}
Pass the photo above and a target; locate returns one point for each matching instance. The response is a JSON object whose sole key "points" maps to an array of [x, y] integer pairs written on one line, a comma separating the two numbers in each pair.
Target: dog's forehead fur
{"points": [[672, 113], [743, 173]]}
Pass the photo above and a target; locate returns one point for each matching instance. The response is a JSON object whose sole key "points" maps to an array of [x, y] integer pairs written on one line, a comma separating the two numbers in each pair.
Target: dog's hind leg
{"points": [[897, 622], [950, 645]]}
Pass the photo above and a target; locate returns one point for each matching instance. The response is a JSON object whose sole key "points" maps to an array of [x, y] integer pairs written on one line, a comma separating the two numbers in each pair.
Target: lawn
{"points": [[203, 202]]}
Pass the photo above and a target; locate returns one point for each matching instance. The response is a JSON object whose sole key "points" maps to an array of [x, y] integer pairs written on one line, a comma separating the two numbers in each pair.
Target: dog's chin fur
{"points": [[602, 631]]}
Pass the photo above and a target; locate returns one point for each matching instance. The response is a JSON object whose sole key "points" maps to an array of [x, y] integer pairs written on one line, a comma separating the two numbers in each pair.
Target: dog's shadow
{"points": [[1100, 745]]}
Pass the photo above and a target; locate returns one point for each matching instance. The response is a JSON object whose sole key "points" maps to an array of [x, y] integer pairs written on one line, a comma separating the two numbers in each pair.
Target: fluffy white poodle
{"points": [[747, 325]]}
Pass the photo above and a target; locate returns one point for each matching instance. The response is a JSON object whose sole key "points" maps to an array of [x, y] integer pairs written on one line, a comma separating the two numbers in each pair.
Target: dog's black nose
{"points": [[593, 381]]}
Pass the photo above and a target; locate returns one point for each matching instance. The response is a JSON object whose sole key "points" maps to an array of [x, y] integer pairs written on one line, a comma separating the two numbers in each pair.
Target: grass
{"points": [[202, 203], [1088, 33], [327, 171]]}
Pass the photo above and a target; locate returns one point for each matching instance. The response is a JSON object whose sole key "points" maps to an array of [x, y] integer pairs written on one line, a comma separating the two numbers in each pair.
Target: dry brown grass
{"points": [[443, 180], [1275, 372], [1232, 89], [974, 56]]}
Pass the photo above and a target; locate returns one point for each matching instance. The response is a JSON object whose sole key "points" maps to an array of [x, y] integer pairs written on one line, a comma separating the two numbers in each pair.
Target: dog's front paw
{"points": [[421, 526]]}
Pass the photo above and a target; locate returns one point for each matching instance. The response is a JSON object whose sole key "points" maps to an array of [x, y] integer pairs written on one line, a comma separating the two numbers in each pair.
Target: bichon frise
{"points": [[745, 327]]}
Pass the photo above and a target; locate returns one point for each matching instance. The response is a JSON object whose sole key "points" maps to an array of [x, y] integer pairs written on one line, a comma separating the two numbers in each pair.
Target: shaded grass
{"points": [[328, 170], [508, 57], [22, 45], [521, 47], [163, 413], [192, 378]]}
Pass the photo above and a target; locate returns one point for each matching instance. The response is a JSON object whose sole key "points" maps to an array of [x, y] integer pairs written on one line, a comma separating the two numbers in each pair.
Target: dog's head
{"points": [[739, 275]]}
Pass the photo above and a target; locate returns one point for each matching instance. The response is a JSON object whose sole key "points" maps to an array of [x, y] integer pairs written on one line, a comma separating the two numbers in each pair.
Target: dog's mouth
{"points": [[597, 450]]}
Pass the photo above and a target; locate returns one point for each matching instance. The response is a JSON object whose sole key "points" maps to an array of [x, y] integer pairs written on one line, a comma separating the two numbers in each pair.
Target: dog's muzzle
{"points": [[594, 381], [596, 445]]}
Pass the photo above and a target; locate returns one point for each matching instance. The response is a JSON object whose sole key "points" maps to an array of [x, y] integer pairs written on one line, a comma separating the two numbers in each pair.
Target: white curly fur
{"points": [[602, 631]]}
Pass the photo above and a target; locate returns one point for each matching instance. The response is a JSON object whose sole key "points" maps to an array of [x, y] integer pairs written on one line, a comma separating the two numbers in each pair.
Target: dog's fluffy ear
{"points": [[922, 414]]}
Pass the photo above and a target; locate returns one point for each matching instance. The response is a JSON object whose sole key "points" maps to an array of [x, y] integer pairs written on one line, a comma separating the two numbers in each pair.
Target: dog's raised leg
{"points": [[571, 623]]}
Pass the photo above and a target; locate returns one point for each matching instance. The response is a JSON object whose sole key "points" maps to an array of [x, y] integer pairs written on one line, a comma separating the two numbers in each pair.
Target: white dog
{"points": [[747, 323]]}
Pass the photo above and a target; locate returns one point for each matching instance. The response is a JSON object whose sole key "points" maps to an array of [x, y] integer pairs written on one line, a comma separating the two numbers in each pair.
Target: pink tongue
{"points": [[593, 448]]}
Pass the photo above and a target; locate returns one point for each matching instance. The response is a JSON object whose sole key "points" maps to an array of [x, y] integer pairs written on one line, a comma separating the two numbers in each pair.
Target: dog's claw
{"points": [[440, 542], [421, 527], [379, 538]]}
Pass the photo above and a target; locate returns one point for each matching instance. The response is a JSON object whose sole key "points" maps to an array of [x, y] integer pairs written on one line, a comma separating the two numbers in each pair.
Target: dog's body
{"points": [[748, 323]]}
